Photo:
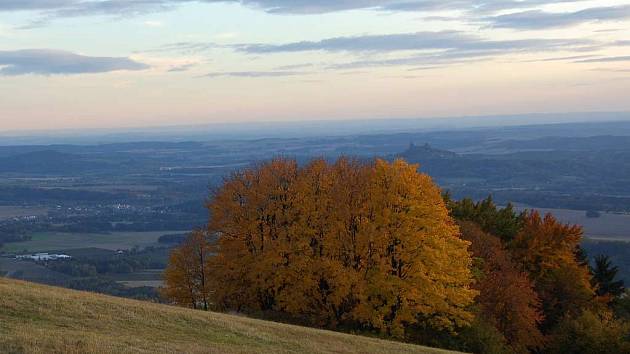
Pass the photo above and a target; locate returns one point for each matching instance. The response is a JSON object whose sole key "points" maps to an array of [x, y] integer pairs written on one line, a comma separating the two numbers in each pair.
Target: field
{"points": [[30, 271], [8, 212], [41, 319], [49, 241], [149, 277]]}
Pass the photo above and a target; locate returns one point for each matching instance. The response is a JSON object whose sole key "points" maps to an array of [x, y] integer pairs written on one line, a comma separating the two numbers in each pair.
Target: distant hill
{"points": [[588, 144], [45, 162], [426, 152], [37, 318]]}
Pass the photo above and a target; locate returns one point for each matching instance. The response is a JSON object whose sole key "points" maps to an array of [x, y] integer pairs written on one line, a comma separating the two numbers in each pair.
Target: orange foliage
{"points": [[507, 299], [187, 275], [546, 249], [350, 242]]}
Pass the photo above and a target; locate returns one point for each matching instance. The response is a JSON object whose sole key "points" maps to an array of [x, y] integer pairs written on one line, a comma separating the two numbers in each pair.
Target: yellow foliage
{"points": [[351, 242], [186, 276]]}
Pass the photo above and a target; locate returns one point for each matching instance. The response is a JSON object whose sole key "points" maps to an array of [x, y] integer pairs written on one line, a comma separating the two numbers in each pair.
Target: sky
{"points": [[133, 63]]}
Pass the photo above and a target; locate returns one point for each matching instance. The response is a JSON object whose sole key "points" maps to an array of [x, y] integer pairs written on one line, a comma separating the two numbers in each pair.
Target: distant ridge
{"points": [[426, 152], [302, 129], [45, 161]]}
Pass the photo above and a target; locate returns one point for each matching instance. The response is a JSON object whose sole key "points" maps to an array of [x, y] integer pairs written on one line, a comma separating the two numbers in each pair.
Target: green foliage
{"points": [[73, 268], [112, 263], [483, 338], [504, 223], [479, 337], [590, 333], [621, 306], [619, 253], [604, 278]]}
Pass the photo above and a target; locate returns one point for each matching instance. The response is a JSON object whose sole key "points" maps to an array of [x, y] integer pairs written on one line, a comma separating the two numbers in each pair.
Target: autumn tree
{"points": [[507, 299], [416, 266], [350, 243], [547, 250], [187, 276]]}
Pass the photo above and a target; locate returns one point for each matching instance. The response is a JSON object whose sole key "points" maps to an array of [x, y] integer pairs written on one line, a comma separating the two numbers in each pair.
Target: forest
{"points": [[376, 248]]}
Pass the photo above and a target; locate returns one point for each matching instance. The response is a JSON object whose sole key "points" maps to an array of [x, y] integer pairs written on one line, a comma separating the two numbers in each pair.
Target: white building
{"points": [[44, 257]]}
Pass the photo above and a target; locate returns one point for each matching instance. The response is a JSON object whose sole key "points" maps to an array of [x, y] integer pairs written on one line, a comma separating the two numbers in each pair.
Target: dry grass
{"points": [[41, 319]]}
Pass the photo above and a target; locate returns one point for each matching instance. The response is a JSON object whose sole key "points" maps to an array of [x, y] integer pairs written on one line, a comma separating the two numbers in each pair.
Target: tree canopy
{"points": [[369, 243], [373, 246]]}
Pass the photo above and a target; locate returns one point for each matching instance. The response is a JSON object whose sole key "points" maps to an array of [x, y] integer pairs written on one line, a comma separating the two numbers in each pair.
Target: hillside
{"points": [[40, 319]]}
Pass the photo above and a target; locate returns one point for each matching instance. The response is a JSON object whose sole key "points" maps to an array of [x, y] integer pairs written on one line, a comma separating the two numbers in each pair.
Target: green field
{"points": [[142, 283], [48, 241], [40, 319], [149, 277], [30, 271]]}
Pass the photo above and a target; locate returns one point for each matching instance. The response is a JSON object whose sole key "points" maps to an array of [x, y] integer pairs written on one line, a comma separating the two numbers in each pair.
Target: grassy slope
{"points": [[40, 319]]}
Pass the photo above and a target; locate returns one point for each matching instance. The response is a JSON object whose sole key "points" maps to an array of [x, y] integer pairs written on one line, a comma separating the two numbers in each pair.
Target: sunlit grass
{"points": [[40, 319]]}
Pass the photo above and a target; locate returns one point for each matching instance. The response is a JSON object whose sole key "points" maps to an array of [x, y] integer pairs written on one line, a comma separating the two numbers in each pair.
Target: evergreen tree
{"points": [[504, 223], [604, 275]]}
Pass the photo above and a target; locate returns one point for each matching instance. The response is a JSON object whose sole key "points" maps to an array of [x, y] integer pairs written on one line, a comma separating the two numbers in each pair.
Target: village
{"points": [[43, 257]]}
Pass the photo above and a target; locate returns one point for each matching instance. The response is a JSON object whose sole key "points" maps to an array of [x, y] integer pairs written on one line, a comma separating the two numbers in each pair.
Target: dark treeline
{"points": [[125, 263], [618, 251], [94, 271], [108, 286]]}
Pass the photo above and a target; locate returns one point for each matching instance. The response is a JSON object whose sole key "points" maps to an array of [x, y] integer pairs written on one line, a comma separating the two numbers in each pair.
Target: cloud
{"points": [[181, 68], [419, 41], [57, 62], [368, 43], [187, 47], [569, 58], [256, 74], [606, 60], [126, 7], [441, 59], [15, 5], [417, 49], [123, 8], [432, 60], [612, 70], [537, 19], [77, 7], [470, 10], [324, 6], [294, 66]]}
